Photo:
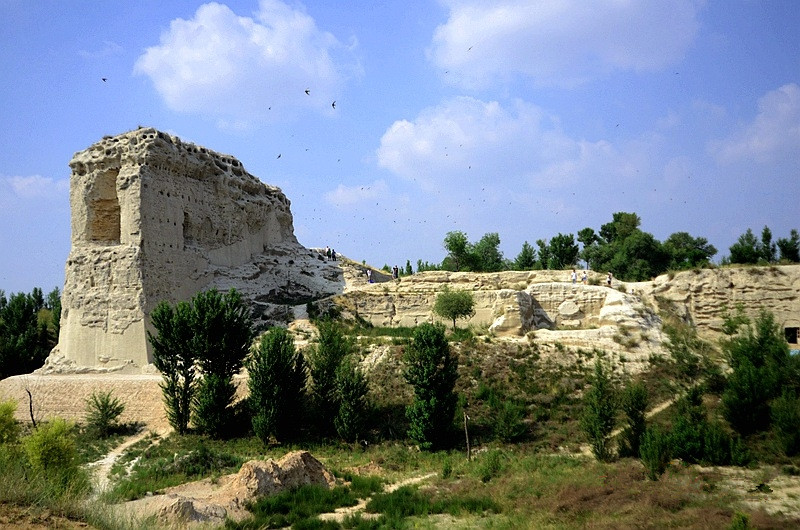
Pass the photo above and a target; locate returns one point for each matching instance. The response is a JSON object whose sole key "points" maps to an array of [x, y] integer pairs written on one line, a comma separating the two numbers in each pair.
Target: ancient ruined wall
{"points": [[154, 218]]}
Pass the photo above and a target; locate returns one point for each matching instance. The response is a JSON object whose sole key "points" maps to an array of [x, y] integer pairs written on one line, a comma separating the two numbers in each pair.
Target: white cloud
{"points": [[346, 196], [235, 68], [560, 43], [37, 187], [108, 49], [774, 133], [466, 140]]}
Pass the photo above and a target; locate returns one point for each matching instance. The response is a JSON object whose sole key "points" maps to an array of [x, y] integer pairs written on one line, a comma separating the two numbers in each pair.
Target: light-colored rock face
{"points": [[153, 219], [703, 296]]}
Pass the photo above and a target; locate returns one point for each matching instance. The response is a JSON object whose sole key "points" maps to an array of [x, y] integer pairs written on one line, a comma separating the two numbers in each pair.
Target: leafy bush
{"points": [[599, 412], [213, 410], [277, 385], [687, 439], [324, 360], [655, 451], [103, 412], [51, 447], [432, 370], [786, 422], [761, 367], [740, 521], [9, 429], [491, 464], [351, 393], [509, 416], [634, 404]]}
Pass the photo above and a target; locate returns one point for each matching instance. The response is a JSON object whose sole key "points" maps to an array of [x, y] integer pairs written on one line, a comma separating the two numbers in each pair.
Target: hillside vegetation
{"points": [[530, 437]]}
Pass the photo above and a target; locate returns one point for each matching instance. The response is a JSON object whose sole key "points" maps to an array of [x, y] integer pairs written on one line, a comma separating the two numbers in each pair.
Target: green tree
{"points": [[638, 257], [223, 332], [324, 360], [686, 251], [526, 259], [351, 393], [174, 354], [600, 404], [458, 249], [409, 270], [623, 225], [53, 303], [761, 366], [486, 255], [590, 240], [544, 254], [563, 252], [745, 250], [454, 304], [790, 247], [277, 377], [24, 341], [431, 369], [634, 405], [767, 249]]}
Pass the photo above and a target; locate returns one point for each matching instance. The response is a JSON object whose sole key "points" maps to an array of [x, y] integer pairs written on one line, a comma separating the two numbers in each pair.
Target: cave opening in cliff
{"points": [[791, 335], [103, 223]]}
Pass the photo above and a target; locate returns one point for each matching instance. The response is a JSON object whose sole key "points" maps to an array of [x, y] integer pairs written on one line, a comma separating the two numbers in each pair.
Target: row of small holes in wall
{"points": [[184, 198]]}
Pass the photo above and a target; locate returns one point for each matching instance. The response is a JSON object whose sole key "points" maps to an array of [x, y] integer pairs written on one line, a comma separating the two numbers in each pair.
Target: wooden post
{"points": [[466, 435]]}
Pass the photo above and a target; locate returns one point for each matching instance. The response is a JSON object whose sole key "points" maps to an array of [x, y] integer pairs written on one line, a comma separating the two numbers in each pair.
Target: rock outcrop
{"points": [[703, 296], [155, 218], [212, 501]]}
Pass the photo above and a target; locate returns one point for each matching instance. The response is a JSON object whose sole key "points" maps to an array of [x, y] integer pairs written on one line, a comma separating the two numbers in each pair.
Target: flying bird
{"points": [[104, 79], [279, 155], [308, 92], [333, 104]]}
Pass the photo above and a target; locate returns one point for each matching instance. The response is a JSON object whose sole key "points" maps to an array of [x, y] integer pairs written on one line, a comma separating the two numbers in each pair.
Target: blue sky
{"points": [[526, 118]]}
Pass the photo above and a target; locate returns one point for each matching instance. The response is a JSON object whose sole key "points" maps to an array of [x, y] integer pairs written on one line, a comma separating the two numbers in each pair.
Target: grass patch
{"points": [[294, 507], [408, 501], [176, 460]]}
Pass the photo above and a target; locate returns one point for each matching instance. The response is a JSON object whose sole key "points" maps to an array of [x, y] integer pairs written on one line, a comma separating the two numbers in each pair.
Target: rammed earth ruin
{"points": [[155, 218]]}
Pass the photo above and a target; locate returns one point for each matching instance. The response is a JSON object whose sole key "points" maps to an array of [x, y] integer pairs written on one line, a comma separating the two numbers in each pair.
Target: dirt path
{"points": [[101, 468], [341, 513]]}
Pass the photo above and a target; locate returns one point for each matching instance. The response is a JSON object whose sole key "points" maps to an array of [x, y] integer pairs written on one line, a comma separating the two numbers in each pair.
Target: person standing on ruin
{"points": [[585, 278], [609, 278], [328, 253], [574, 277]]}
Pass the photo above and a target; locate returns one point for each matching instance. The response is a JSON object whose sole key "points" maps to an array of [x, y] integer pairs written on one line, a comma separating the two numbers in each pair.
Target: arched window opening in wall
{"points": [[103, 209]]}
